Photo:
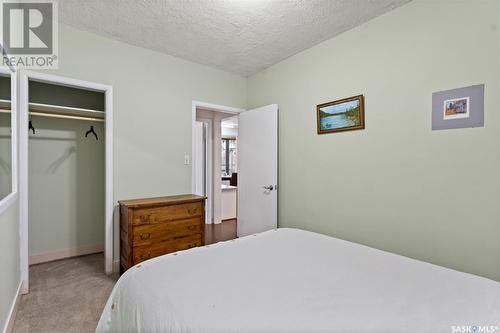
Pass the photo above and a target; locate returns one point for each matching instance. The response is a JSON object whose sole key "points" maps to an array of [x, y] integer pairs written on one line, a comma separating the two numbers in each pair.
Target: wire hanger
{"points": [[30, 126], [91, 130]]}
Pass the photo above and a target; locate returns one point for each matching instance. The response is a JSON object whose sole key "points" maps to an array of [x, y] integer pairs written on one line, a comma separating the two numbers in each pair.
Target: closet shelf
{"points": [[5, 104], [65, 110], [39, 109]]}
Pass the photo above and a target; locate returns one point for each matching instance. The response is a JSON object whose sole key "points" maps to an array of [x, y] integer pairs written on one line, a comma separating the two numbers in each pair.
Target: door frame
{"points": [[23, 118], [208, 167], [194, 159], [11, 198]]}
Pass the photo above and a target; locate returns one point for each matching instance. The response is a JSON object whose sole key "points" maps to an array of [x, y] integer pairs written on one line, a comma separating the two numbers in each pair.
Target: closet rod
{"points": [[53, 115]]}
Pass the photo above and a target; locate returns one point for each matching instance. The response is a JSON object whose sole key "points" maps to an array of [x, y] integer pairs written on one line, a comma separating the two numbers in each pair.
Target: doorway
{"points": [[214, 166], [221, 159]]}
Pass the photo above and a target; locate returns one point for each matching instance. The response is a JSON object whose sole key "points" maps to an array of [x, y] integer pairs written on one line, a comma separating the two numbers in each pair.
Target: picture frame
{"points": [[458, 108], [342, 115]]}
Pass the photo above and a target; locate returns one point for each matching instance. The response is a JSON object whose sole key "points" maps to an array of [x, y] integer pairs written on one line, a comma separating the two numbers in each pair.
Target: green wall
{"points": [[397, 185]]}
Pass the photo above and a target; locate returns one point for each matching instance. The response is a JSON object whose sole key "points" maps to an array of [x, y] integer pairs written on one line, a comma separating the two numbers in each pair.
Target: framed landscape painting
{"points": [[342, 115]]}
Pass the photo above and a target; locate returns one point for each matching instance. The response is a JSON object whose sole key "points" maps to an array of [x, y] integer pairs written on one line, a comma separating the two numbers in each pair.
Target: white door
{"points": [[257, 170]]}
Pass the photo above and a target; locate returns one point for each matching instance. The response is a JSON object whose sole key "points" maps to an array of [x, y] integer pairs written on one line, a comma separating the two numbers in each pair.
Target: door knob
{"points": [[270, 187]]}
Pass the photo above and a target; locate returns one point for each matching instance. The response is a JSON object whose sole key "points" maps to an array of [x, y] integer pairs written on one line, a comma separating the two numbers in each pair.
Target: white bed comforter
{"points": [[288, 280]]}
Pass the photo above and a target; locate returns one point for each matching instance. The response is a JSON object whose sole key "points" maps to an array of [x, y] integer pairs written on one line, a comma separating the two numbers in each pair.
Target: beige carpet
{"points": [[65, 296]]}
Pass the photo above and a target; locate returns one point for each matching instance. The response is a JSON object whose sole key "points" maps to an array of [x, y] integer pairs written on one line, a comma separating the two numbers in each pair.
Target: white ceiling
{"points": [[240, 36]]}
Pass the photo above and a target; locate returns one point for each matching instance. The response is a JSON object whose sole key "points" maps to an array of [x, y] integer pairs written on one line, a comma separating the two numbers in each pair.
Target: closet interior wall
{"points": [[66, 176]]}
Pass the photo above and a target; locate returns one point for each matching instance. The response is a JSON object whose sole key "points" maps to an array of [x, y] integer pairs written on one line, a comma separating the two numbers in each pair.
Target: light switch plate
{"points": [[186, 159]]}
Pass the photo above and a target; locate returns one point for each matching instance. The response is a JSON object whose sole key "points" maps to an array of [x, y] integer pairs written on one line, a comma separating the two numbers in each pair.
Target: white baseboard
{"points": [[9, 323], [116, 266], [66, 253], [24, 288]]}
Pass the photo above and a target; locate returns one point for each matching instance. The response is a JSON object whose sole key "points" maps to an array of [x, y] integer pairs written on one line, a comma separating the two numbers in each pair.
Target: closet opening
{"points": [[66, 202], [65, 171]]}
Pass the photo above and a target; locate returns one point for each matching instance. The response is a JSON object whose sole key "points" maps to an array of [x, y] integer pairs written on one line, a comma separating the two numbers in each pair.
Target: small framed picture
{"points": [[456, 108], [343, 115]]}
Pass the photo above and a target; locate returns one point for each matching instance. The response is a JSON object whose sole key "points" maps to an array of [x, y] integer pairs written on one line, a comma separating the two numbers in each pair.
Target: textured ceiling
{"points": [[240, 36]]}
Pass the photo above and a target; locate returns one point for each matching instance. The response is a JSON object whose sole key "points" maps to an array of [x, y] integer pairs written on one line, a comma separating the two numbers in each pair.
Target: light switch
{"points": [[186, 160]]}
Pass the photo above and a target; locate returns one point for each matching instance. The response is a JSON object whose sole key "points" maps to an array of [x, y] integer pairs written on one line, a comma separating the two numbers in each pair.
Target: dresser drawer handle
{"points": [[191, 227], [145, 218], [145, 236], [145, 255], [192, 211]]}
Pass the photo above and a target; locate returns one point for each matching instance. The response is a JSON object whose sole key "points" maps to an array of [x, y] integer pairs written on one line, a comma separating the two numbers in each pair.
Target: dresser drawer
{"points": [[167, 213], [146, 252], [146, 234]]}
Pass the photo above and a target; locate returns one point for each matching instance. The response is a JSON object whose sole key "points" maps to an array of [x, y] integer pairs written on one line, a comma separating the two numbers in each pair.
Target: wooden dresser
{"points": [[152, 227]]}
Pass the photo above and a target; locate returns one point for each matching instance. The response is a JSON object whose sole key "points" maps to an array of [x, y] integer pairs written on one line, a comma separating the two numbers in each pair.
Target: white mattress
{"points": [[288, 280]]}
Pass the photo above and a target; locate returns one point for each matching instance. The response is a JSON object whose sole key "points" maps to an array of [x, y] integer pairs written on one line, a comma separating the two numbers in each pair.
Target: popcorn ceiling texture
{"points": [[240, 36]]}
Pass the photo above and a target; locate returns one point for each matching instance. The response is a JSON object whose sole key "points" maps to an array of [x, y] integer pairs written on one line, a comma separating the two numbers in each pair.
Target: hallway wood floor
{"points": [[220, 232]]}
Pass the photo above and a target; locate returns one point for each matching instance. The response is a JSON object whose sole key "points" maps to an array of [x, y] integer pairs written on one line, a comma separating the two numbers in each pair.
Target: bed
{"points": [[290, 280]]}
